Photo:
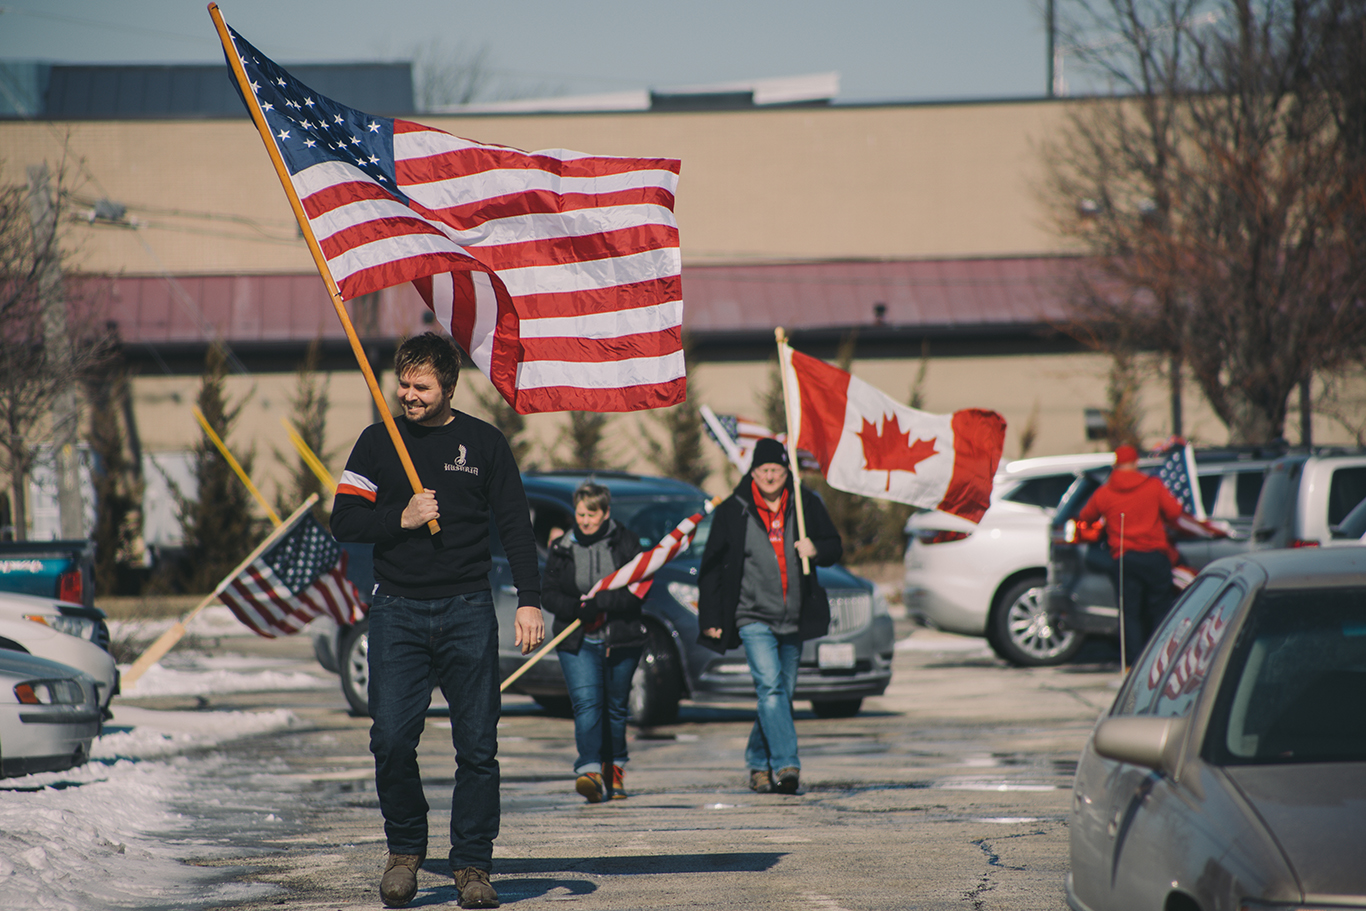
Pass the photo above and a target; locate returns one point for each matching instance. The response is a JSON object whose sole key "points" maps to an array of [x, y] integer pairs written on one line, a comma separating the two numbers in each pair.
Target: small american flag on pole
{"points": [[636, 574], [1177, 472], [301, 577], [558, 272]]}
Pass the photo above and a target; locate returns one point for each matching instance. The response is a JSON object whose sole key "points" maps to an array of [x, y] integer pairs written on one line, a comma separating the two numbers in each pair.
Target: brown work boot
{"points": [[590, 785], [475, 890], [786, 781], [760, 782], [618, 783], [399, 883]]}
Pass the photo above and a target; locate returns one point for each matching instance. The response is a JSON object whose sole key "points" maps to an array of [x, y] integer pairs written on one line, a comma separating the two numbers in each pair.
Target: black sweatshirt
{"points": [[470, 466]]}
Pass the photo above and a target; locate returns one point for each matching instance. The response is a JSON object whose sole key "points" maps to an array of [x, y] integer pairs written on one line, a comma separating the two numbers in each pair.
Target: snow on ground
{"points": [[106, 834]]}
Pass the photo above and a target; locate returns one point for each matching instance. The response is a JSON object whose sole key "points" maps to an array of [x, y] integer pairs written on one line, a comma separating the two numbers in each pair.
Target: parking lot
{"points": [[950, 791]]}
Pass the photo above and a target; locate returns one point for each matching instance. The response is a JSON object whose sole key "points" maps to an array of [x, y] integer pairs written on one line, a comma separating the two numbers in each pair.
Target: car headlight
{"points": [[49, 692], [684, 594], [80, 627]]}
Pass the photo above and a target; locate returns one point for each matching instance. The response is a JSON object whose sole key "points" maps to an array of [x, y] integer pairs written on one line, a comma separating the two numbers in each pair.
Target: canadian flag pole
{"points": [[793, 429]]}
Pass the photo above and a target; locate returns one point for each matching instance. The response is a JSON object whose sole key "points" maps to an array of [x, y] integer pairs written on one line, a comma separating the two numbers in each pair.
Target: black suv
{"points": [[837, 671], [1081, 594]]}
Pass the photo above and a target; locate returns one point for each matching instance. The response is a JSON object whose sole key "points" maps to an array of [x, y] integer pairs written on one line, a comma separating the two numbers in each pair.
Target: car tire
{"points": [[1021, 631], [657, 685], [556, 706], [836, 708], [353, 663]]}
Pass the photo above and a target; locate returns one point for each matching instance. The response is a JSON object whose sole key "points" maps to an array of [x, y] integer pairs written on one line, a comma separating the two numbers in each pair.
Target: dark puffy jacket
{"points": [[723, 564], [560, 594]]}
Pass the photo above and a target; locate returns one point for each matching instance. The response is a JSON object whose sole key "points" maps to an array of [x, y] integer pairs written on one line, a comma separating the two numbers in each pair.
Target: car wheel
{"points": [[836, 708], [353, 660], [558, 706], [657, 685], [1021, 631]]}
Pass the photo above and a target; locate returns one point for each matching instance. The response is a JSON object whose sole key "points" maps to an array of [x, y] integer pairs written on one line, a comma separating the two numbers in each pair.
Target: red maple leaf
{"points": [[892, 450]]}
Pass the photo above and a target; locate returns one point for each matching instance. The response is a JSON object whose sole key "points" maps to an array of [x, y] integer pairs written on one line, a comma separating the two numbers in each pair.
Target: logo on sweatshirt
{"points": [[460, 465]]}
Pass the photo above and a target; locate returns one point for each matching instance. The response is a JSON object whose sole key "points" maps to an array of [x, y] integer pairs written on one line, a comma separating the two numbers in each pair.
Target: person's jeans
{"points": [[453, 643], [598, 683], [1147, 598], [773, 663]]}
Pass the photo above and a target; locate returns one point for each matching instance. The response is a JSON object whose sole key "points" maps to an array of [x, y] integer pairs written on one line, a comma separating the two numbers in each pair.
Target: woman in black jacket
{"points": [[753, 591], [600, 657]]}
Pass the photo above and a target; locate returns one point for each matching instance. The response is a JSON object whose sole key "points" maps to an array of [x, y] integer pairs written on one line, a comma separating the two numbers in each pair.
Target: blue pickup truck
{"points": [[64, 570]]}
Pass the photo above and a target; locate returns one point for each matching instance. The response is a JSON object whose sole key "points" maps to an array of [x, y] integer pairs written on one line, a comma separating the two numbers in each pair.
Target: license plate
{"points": [[835, 655]]}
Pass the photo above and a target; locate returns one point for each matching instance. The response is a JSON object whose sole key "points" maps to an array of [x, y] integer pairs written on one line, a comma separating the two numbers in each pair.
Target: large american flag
{"points": [[558, 272], [300, 577]]}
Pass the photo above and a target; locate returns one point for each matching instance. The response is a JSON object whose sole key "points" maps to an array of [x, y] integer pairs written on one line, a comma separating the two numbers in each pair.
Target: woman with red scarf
{"points": [[754, 592]]}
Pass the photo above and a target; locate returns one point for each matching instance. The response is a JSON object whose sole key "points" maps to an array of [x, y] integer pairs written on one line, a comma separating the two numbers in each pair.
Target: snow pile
{"points": [[104, 835], [198, 674]]}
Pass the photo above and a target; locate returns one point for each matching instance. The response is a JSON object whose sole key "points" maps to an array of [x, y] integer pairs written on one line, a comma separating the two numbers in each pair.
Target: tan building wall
{"points": [[803, 183]]}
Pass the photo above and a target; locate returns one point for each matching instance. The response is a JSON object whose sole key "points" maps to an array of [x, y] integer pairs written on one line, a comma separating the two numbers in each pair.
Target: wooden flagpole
{"points": [[784, 363], [319, 260], [545, 650], [235, 465], [158, 649]]}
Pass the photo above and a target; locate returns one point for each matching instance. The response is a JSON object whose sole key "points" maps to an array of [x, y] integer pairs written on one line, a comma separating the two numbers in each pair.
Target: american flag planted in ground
{"points": [[301, 577], [558, 272]]}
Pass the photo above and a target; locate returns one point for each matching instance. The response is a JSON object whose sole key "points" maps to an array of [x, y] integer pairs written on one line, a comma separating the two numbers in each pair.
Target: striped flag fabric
{"points": [[636, 574], [558, 272], [300, 577], [1177, 473], [737, 437]]}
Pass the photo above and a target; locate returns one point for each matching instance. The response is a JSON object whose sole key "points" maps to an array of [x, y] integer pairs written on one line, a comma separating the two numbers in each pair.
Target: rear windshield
{"points": [[1045, 491], [1296, 682]]}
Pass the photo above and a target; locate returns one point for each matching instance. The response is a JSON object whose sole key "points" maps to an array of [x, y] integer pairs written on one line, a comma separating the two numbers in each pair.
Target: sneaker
{"points": [[399, 883], [786, 782], [475, 890], [591, 787], [760, 781], [618, 783]]}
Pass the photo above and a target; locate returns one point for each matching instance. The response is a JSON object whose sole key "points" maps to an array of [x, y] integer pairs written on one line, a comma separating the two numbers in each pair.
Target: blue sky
{"points": [[884, 50]]}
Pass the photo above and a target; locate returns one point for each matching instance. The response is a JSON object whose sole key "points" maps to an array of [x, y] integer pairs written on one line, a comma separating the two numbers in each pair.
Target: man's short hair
{"points": [[593, 495], [431, 352]]}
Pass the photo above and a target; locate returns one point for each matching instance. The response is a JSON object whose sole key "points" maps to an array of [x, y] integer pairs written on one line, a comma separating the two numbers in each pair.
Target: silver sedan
{"points": [[1231, 771], [49, 715]]}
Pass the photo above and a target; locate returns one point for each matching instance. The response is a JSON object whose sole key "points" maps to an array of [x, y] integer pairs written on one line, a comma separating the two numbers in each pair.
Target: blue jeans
{"points": [[773, 663], [597, 681], [452, 642]]}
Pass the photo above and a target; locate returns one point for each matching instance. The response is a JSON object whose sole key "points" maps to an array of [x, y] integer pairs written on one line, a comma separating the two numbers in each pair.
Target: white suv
{"points": [[987, 579]]}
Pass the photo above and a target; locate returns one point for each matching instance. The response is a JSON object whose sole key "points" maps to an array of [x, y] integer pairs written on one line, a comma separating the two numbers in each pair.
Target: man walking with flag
{"points": [[432, 615], [758, 588], [1137, 509]]}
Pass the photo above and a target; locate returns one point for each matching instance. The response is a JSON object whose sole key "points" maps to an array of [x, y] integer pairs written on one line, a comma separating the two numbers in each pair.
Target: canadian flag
{"points": [[869, 444]]}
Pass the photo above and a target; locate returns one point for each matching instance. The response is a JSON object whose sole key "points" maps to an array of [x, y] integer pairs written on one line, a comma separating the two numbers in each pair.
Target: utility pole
{"points": [[1050, 26], [65, 412]]}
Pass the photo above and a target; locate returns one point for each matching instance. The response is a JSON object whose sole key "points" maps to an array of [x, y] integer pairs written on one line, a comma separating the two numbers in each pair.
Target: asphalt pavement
{"points": [[950, 791]]}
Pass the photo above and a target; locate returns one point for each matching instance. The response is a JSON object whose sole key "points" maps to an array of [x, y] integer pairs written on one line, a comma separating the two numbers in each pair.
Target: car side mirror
{"points": [[1142, 740]]}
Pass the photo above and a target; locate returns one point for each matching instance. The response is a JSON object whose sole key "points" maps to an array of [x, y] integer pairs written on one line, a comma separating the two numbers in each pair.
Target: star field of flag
{"points": [[310, 128], [1174, 473], [303, 555]]}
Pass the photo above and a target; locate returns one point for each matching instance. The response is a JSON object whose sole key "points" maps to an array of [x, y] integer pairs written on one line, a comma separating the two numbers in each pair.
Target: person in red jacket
{"points": [[1136, 509]]}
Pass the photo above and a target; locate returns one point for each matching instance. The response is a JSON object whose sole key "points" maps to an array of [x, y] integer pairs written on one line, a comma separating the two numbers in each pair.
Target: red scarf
{"points": [[773, 524]]}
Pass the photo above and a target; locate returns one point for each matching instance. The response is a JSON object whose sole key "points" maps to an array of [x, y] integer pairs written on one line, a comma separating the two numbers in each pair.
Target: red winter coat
{"points": [[1144, 502]]}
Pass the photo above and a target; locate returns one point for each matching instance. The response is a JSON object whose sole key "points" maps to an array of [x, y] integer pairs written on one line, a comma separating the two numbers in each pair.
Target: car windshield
{"points": [[654, 518], [1295, 682]]}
